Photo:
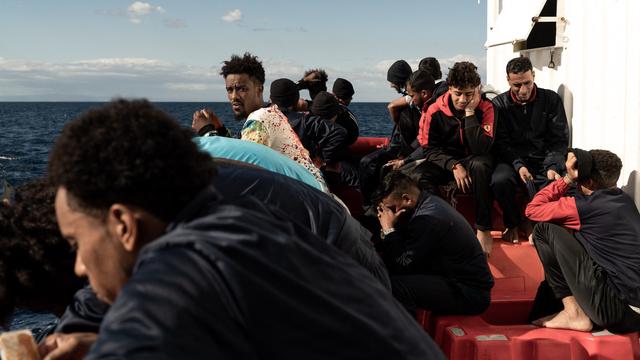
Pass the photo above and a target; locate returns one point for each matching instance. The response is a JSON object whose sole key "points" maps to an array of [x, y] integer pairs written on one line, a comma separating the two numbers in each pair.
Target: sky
{"points": [[167, 50]]}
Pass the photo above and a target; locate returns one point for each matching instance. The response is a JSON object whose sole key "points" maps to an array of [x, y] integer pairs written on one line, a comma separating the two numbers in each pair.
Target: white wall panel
{"points": [[597, 74]]}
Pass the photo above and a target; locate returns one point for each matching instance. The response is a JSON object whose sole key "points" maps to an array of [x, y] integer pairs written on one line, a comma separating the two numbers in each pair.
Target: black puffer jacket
{"points": [[236, 280]]}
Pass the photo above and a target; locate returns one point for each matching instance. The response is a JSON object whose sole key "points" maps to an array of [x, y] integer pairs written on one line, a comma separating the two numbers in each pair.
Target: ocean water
{"points": [[28, 129]]}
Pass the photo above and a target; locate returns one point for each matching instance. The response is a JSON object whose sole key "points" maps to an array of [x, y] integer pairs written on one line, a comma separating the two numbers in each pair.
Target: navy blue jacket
{"points": [[236, 280]]}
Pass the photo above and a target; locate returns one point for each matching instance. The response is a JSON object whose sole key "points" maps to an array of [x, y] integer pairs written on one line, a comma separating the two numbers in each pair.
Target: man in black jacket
{"points": [[189, 275], [531, 140], [432, 254]]}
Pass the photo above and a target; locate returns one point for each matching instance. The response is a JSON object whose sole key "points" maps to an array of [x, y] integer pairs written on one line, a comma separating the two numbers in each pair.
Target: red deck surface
{"points": [[501, 332]]}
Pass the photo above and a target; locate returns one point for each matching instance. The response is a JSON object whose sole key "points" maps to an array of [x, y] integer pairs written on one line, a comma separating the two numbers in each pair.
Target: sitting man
{"points": [[433, 257], [191, 275], [531, 141], [595, 270], [401, 138], [343, 91], [456, 134]]}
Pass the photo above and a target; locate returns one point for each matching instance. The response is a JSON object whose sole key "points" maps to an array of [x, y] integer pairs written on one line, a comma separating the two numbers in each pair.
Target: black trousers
{"points": [[570, 271], [479, 169], [438, 294], [504, 183]]}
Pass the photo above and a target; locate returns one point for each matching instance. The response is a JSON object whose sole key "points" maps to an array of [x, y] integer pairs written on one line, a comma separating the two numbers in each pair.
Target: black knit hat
{"points": [[343, 89], [399, 72], [325, 105], [284, 93], [584, 164]]}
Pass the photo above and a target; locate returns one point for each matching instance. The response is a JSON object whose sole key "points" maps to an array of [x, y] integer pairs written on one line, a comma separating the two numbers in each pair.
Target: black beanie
{"points": [[399, 72], [325, 105], [584, 164], [343, 89], [284, 93]]}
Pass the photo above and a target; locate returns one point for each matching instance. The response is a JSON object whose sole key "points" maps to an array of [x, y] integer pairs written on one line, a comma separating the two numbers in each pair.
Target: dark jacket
{"points": [[235, 280], [447, 137], [437, 240], [320, 137], [349, 122], [312, 208], [536, 131]]}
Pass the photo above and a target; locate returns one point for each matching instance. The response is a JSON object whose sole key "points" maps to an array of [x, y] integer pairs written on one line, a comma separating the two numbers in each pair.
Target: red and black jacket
{"points": [[448, 138], [606, 223]]}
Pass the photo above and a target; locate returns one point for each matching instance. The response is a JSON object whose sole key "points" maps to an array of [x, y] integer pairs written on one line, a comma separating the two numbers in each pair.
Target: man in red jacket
{"points": [[456, 133], [595, 270]]}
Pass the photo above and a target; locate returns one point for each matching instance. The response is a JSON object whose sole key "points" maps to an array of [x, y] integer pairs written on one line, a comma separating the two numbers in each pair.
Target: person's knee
{"points": [[542, 232]]}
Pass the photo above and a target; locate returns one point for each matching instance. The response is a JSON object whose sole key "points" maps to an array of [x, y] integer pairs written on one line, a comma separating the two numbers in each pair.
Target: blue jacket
{"points": [[236, 280]]}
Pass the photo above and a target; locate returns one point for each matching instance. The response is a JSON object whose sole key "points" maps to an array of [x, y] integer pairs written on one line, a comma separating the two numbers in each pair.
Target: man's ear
{"points": [[123, 223], [533, 74], [406, 198]]}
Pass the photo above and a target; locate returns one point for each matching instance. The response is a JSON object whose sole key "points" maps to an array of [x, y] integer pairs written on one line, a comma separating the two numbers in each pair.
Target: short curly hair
{"points": [[463, 75], [247, 64], [606, 168], [323, 77], [36, 262], [132, 153]]}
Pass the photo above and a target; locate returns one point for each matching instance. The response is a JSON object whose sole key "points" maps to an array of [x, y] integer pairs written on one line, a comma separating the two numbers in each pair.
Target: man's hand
{"points": [[463, 180], [473, 104], [67, 346], [553, 175], [572, 170], [525, 175], [204, 117], [395, 163], [388, 217]]}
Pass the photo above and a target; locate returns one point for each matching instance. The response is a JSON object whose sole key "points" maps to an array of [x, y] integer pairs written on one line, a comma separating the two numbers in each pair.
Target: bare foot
{"points": [[486, 241], [511, 236], [564, 320], [572, 317]]}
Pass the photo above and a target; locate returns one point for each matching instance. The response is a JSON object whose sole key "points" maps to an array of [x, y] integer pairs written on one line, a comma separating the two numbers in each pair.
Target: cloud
{"points": [[175, 23], [100, 79], [139, 9], [233, 16]]}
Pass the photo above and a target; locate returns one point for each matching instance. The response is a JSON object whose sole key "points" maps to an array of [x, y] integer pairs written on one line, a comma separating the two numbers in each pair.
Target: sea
{"points": [[29, 129]]}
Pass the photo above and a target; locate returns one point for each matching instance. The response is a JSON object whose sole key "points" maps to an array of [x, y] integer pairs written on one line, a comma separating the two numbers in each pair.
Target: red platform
{"points": [[501, 332]]}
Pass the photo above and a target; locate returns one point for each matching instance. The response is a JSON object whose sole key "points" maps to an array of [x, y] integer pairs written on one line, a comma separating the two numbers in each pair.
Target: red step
{"points": [[501, 332]]}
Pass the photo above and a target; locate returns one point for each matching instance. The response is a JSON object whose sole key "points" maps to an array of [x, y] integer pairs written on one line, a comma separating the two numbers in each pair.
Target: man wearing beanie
{"points": [[595, 268], [398, 74], [343, 91]]}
